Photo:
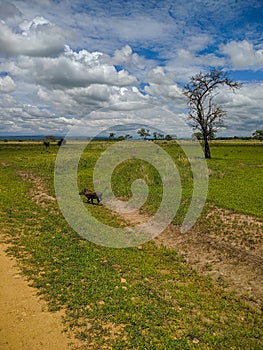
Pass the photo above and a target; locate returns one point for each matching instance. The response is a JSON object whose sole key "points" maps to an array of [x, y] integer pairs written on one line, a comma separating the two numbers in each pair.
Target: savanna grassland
{"points": [[154, 296]]}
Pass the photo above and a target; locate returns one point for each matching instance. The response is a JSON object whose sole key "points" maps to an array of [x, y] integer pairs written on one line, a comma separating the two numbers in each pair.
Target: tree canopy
{"points": [[258, 135], [142, 132]]}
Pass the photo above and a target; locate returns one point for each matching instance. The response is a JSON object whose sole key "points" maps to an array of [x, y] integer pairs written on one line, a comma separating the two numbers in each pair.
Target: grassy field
{"points": [[236, 176], [135, 298]]}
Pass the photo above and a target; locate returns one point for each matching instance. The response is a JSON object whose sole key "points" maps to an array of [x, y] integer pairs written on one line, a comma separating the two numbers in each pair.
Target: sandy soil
{"points": [[25, 323]]}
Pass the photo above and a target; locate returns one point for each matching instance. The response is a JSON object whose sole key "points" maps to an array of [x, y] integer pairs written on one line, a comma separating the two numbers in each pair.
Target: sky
{"points": [[93, 64]]}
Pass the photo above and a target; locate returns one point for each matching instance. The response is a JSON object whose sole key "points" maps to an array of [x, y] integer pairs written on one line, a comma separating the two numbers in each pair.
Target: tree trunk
{"points": [[207, 148]]}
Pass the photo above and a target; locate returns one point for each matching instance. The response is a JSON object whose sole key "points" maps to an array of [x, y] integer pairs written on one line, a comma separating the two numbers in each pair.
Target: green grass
{"points": [[125, 298], [235, 180], [236, 177]]}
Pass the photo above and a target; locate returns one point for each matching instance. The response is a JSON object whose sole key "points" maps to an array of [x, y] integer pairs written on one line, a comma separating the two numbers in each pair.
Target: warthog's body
{"points": [[91, 195]]}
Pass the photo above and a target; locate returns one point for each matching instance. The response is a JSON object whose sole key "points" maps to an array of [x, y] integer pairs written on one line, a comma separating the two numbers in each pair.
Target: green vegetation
{"points": [[133, 298], [258, 135], [236, 176]]}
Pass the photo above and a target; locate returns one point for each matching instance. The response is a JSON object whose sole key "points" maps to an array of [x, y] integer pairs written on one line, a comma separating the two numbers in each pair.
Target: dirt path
{"points": [[25, 323], [231, 264], [228, 247]]}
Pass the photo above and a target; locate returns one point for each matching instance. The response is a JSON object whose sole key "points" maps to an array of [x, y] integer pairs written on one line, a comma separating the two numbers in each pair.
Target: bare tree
{"points": [[204, 115], [143, 133]]}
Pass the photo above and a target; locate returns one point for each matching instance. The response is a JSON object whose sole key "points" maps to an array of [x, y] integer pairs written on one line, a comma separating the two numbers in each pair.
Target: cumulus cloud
{"points": [[7, 84], [244, 109], [81, 101], [123, 56], [37, 38], [243, 55], [70, 70], [187, 63], [127, 57], [27, 119], [163, 84]]}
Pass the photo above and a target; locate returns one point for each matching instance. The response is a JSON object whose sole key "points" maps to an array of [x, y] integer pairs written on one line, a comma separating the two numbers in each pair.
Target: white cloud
{"points": [[7, 84], [139, 27], [187, 63], [127, 57], [162, 84], [159, 76], [244, 109], [70, 70], [38, 38], [123, 56], [195, 43], [243, 55], [81, 101]]}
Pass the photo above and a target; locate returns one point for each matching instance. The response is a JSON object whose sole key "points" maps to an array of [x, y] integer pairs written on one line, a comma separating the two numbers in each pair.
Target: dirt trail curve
{"points": [[24, 322], [228, 246], [229, 249], [234, 266]]}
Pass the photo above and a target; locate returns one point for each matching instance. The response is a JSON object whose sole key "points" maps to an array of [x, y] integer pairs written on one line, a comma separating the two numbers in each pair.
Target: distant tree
{"points": [[128, 137], [168, 137], [160, 136], [121, 138], [258, 135], [204, 115], [212, 136], [199, 136], [50, 138], [111, 136], [143, 133], [155, 135]]}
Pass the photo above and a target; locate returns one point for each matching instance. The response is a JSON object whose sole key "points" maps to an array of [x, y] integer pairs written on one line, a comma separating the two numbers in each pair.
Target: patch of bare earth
{"points": [[225, 245], [38, 191], [222, 254], [25, 323]]}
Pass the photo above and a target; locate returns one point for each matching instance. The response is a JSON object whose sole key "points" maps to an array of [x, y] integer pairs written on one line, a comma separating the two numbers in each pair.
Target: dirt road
{"points": [[25, 323]]}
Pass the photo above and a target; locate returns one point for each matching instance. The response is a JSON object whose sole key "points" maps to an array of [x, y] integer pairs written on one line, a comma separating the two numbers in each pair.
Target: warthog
{"points": [[91, 195]]}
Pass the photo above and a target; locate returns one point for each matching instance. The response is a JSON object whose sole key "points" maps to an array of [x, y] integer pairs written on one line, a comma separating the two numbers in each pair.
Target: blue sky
{"points": [[99, 63]]}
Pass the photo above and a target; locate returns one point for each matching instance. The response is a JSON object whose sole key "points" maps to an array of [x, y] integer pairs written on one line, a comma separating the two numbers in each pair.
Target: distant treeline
{"points": [[27, 137], [41, 138], [235, 138]]}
